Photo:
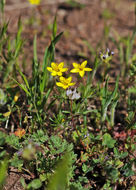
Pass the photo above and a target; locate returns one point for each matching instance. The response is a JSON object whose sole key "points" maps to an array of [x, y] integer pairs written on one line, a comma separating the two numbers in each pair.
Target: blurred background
{"points": [[84, 23]]}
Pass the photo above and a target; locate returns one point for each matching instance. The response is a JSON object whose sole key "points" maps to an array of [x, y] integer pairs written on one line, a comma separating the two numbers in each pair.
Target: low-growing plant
{"points": [[63, 126]]}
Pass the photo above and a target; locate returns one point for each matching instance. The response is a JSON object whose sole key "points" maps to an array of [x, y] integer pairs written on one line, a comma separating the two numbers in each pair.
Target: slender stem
{"points": [[74, 126], [37, 111], [112, 115], [135, 15]]}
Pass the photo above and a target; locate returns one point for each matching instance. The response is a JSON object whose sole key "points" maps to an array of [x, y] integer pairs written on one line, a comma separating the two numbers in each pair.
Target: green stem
{"points": [[112, 116]]}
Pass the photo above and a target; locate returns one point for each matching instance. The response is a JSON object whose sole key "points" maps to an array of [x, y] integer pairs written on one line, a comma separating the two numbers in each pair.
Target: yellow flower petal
{"points": [[81, 73], [61, 65], [34, 2], [74, 70], [65, 82], [59, 73], [49, 69], [57, 69], [59, 84], [69, 79], [54, 66], [64, 69], [62, 79], [72, 84], [65, 86], [87, 69], [76, 65], [84, 64], [16, 97], [54, 73]]}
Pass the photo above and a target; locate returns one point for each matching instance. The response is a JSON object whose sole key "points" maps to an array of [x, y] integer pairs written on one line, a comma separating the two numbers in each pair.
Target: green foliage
{"points": [[59, 180], [109, 99], [2, 4], [13, 141], [3, 170], [125, 47], [35, 184], [39, 137], [35, 89], [108, 141], [2, 138]]}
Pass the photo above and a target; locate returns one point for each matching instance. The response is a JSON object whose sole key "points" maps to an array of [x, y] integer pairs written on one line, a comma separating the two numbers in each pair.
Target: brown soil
{"points": [[78, 24]]}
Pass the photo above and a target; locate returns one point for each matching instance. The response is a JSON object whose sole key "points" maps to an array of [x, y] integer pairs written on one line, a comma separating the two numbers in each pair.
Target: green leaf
{"points": [[45, 72], [3, 169], [22, 87], [2, 138], [114, 174], [35, 49], [22, 180], [57, 38], [116, 152], [54, 27], [84, 168], [13, 141], [119, 164], [123, 155], [19, 41], [24, 79], [58, 180], [107, 99], [108, 140], [35, 184], [127, 170], [133, 188], [48, 58], [3, 153], [39, 136], [2, 4]]}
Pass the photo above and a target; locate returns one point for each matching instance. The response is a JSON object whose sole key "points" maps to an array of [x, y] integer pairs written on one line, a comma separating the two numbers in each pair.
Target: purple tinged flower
{"points": [[107, 56]]}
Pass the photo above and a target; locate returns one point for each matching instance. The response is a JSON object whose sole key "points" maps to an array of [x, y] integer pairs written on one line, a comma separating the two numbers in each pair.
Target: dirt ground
{"points": [[79, 25]]}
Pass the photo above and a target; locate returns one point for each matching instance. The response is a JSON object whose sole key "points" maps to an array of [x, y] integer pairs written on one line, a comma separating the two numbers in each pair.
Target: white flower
{"points": [[73, 95]]}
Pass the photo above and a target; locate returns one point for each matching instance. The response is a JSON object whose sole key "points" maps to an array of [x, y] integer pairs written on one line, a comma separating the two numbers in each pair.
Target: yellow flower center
{"points": [[65, 83], [80, 68], [57, 69]]}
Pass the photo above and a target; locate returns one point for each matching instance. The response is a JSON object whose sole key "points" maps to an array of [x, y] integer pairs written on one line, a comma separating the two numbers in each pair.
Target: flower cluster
{"points": [[107, 56], [57, 69]]}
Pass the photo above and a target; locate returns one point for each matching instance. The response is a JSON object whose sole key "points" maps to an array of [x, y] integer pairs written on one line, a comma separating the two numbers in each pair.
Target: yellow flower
{"points": [[34, 2], [57, 69], [65, 82], [80, 68]]}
